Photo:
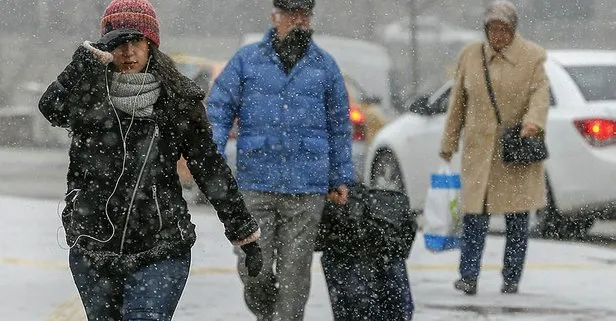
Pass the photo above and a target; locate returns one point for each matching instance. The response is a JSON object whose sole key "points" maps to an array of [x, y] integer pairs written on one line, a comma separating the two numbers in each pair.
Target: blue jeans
{"points": [[151, 293], [475, 228], [371, 289]]}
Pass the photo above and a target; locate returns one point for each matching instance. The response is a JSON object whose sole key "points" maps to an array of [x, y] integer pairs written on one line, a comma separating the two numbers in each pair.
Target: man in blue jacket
{"points": [[293, 148]]}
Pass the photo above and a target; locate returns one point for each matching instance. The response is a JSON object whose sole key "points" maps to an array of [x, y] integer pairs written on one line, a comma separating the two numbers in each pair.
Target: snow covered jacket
{"points": [[294, 133], [124, 196]]}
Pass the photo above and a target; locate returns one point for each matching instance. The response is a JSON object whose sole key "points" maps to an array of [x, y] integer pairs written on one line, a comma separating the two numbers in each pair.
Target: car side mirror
{"points": [[371, 100]]}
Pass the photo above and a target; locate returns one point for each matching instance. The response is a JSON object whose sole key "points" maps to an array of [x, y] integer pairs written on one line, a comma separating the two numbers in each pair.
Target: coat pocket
{"points": [[251, 144], [315, 150], [69, 208], [252, 155], [90, 217], [314, 159], [317, 146]]}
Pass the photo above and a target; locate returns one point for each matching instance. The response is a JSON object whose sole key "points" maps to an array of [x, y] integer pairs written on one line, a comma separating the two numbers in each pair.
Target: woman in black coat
{"points": [[132, 115]]}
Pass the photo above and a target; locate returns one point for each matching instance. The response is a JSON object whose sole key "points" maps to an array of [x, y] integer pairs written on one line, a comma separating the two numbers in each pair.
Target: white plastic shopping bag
{"points": [[443, 224]]}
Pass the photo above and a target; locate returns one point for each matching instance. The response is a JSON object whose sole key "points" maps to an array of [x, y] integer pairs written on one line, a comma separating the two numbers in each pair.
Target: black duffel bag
{"points": [[374, 222]]}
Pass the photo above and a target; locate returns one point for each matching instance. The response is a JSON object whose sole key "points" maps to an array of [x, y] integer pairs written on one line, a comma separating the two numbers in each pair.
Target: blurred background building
{"points": [[37, 37]]}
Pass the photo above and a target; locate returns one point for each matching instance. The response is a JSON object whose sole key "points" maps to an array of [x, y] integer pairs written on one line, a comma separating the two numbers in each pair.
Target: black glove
{"points": [[254, 258], [114, 38], [84, 63]]}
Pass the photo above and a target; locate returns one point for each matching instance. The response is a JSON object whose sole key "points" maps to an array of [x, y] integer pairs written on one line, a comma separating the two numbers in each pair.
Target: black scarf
{"points": [[293, 47]]}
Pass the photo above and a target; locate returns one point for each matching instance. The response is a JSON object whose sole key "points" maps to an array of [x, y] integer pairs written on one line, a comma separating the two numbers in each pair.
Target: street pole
{"points": [[42, 17], [413, 54]]}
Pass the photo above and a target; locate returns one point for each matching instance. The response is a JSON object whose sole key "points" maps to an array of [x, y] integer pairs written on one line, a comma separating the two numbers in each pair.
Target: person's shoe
{"points": [[468, 286], [509, 288]]}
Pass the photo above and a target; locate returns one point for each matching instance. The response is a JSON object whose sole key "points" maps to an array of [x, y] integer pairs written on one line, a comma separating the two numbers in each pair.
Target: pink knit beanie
{"points": [[136, 14]]}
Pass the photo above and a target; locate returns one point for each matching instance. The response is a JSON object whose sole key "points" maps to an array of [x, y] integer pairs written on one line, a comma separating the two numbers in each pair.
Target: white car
{"points": [[581, 139]]}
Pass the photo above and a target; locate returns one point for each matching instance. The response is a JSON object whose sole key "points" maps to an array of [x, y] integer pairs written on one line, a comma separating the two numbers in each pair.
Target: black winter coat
{"points": [[123, 195]]}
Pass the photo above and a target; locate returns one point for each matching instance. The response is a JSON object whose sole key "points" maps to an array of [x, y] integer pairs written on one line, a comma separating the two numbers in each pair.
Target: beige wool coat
{"points": [[521, 89]]}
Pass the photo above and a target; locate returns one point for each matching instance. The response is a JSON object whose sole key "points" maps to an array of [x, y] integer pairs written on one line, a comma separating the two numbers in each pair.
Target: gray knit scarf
{"points": [[134, 93]]}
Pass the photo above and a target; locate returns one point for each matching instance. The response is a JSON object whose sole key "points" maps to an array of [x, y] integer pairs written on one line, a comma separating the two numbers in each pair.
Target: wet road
{"points": [[562, 282], [31, 172]]}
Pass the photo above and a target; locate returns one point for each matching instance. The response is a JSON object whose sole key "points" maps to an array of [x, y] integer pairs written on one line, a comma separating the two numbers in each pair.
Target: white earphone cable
{"points": [[123, 137]]}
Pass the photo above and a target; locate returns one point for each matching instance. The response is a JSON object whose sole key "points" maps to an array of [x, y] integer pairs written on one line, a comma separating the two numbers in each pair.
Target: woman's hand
{"points": [[251, 238], [102, 56], [106, 44], [446, 156], [529, 130], [254, 257], [85, 63]]}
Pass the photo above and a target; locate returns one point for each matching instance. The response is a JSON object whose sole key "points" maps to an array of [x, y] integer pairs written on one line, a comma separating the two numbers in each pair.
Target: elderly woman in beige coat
{"points": [[490, 186]]}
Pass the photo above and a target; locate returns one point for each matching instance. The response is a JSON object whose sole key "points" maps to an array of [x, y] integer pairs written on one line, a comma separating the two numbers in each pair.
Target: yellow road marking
{"points": [[43, 264], [69, 310]]}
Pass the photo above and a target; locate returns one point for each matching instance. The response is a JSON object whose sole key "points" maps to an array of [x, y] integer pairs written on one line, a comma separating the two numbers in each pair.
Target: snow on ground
{"points": [[562, 281]]}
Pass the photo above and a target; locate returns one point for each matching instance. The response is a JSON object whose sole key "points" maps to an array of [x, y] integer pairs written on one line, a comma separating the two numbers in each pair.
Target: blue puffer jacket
{"points": [[294, 130]]}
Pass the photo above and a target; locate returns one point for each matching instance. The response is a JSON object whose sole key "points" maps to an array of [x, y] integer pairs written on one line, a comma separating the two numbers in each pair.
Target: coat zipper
{"points": [[132, 200], [160, 216], [78, 190], [181, 231]]}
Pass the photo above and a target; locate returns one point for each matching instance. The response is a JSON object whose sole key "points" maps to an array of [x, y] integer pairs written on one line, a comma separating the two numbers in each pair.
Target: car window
{"points": [[203, 79], [441, 104], [595, 82], [552, 98], [187, 69]]}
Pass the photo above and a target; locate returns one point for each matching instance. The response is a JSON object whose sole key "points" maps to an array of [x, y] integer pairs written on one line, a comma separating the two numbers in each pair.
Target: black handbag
{"points": [[515, 148]]}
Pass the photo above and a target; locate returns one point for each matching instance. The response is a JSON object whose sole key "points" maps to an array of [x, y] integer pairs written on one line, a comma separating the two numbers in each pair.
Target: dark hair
{"points": [[167, 73]]}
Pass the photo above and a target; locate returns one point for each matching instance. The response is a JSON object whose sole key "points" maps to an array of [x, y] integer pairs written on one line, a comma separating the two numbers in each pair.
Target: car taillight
{"points": [[358, 120], [597, 131]]}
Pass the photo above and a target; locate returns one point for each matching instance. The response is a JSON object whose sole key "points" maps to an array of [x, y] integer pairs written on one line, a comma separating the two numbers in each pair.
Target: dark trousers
{"points": [[288, 227], [475, 228], [150, 293], [367, 289]]}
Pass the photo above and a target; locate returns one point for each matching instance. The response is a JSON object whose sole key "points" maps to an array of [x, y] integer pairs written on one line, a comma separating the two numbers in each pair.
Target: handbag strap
{"points": [[486, 73]]}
